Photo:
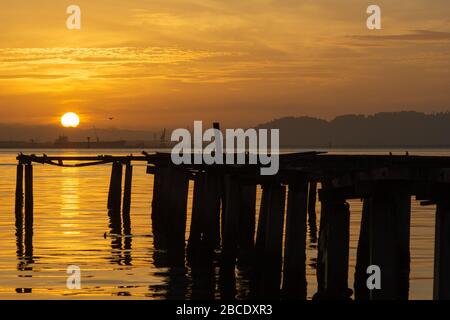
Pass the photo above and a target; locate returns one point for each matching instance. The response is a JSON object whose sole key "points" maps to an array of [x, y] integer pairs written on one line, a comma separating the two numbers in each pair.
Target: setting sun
{"points": [[70, 120]]}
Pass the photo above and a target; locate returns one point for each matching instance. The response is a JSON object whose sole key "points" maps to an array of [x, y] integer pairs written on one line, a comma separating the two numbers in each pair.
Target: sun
{"points": [[70, 120]]}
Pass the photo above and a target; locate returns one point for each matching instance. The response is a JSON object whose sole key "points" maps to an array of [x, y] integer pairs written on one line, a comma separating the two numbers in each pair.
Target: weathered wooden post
{"points": [[29, 210], [19, 210], [19, 192], [333, 250], [262, 223], [441, 290], [387, 212], [247, 225], [29, 192], [161, 189], [127, 199], [312, 197], [269, 241], [175, 220], [193, 250], [114, 198], [230, 222], [294, 271], [363, 254], [260, 241], [211, 213], [204, 236]]}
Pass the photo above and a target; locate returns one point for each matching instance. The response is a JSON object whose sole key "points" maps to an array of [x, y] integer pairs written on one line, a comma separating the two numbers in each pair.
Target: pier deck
{"points": [[224, 216]]}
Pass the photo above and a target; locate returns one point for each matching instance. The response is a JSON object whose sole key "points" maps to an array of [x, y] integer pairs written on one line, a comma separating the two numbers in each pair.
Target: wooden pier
{"points": [[224, 217]]}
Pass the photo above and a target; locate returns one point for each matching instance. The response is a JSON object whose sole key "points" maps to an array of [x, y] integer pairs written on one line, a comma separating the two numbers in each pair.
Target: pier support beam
{"points": [[333, 250], [19, 210], [269, 241], [29, 210], [312, 197], [441, 290], [204, 236], [193, 250], [161, 187], [19, 192], [115, 198], [247, 225], [175, 220], [294, 271], [169, 210], [231, 224], [126, 204], [230, 229], [384, 242]]}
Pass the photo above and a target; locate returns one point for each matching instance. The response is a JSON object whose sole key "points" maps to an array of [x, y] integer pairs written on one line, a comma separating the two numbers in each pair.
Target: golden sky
{"points": [[155, 63]]}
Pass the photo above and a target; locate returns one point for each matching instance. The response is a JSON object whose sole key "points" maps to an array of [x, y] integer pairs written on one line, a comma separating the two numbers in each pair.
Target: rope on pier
{"points": [[45, 160], [88, 160]]}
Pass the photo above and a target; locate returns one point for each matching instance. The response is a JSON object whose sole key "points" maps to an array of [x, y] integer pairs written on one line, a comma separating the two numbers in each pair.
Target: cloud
{"points": [[57, 63], [32, 76]]}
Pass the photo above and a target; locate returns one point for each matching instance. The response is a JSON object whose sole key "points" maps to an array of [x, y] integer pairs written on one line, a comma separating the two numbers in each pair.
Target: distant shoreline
{"points": [[125, 145], [81, 145]]}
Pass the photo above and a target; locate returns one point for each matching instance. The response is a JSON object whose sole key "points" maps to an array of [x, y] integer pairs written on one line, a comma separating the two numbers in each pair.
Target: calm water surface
{"points": [[70, 222]]}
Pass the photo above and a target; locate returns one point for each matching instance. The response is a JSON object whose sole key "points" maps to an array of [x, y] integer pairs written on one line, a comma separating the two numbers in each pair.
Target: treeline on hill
{"points": [[386, 129]]}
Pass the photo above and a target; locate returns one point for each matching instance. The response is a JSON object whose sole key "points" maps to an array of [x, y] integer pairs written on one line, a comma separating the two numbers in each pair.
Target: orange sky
{"points": [[155, 63]]}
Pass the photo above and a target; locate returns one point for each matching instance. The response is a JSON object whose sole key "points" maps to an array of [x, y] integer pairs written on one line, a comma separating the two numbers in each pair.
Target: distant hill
{"points": [[386, 129]]}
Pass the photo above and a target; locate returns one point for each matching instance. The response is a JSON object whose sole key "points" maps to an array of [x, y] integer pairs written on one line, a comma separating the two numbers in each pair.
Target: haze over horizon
{"points": [[165, 63]]}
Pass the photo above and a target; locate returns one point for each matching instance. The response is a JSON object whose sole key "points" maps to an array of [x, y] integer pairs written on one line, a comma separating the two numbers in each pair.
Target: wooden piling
{"points": [[230, 229], [127, 199], [269, 242], [193, 249], [363, 254], [19, 211], [19, 192], [176, 213], [211, 212], [29, 210], [115, 186], [169, 212], [231, 225], [161, 188], [114, 198], [441, 287], [262, 223], [247, 225], [333, 250], [312, 218], [294, 271], [387, 212], [204, 236], [28, 196]]}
